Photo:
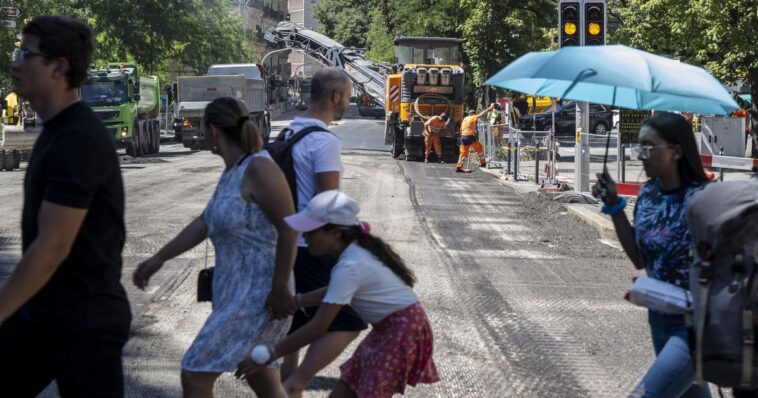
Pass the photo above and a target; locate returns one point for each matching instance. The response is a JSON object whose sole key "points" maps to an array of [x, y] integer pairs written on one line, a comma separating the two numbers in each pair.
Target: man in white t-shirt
{"points": [[316, 159]]}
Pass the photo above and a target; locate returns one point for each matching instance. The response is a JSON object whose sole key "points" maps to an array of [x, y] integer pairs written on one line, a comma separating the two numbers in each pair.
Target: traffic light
{"points": [[569, 24], [594, 23]]}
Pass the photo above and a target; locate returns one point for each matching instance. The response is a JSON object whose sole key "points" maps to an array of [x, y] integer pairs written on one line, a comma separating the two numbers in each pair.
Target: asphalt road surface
{"points": [[524, 300]]}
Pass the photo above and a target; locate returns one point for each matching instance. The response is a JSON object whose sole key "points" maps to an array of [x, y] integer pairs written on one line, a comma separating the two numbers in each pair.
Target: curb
{"points": [[585, 212]]}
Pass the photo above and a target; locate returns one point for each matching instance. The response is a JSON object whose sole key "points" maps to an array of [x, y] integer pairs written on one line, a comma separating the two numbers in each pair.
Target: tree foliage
{"points": [[344, 20], [719, 35], [378, 40], [496, 32], [156, 34]]}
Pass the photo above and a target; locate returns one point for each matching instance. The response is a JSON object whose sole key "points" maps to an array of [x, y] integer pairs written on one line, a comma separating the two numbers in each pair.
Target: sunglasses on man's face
{"points": [[21, 55]]}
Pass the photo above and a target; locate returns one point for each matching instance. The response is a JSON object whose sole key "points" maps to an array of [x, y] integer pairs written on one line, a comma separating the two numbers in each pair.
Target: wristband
{"points": [[614, 209], [299, 303], [271, 354]]}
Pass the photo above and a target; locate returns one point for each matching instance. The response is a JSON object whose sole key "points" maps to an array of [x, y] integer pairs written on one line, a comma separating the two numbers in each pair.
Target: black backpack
{"points": [[281, 151], [724, 283]]}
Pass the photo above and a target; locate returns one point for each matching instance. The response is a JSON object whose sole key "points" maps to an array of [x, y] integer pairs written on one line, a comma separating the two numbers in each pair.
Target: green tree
{"points": [[379, 42], [436, 18], [344, 20], [496, 32], [155, 34], [717, 34]]}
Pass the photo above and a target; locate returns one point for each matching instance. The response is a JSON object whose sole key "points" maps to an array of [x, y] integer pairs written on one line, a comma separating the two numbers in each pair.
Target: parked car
{"points": [[601, 120]]}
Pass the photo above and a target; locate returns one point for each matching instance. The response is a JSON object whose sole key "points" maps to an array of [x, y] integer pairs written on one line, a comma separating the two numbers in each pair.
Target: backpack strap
{"points": [[748, 339], [704, 280], [283, 134], [302, 133]]}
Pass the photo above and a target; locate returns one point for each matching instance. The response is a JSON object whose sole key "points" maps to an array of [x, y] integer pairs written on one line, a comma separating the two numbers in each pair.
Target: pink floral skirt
{"points": [[397, 352]]}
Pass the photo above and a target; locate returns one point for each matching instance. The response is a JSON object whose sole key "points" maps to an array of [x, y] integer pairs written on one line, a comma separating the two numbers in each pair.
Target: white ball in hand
{"points": [[260, 354]]}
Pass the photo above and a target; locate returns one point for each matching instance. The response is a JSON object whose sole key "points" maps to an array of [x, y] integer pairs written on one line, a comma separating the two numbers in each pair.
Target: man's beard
{"points": [[339, 113]]}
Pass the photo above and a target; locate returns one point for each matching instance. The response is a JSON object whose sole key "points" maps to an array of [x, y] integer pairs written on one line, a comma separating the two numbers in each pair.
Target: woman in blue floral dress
{"points": [[255, 252], [660, 242]]}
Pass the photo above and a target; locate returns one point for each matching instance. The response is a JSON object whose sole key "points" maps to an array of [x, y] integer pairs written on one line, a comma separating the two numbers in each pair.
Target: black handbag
{"points": [[205, 280]]}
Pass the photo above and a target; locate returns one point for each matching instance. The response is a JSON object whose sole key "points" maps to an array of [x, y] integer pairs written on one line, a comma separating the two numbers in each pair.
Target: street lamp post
{"points": [[268, 54]]}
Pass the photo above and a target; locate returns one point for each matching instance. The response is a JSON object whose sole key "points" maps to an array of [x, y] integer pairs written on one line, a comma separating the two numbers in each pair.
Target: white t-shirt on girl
{"points": [[362, 281]]}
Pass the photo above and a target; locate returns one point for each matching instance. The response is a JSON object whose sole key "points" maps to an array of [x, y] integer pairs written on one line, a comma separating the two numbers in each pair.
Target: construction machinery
{"points": [[128, 104], [11, 109], [427, 81], [19, 130]]}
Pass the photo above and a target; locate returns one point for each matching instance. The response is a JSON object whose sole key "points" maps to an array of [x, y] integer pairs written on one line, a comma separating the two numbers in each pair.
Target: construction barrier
{"points": [[728, 162], [522, 155]]}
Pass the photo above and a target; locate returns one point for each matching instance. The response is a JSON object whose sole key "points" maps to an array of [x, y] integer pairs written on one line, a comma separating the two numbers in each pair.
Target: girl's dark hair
{"points": [[378, 248], [676, 130], [232, 117]]}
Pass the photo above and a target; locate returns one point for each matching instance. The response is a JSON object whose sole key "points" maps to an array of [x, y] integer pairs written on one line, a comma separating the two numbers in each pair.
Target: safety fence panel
{"points": [[522, 155]]}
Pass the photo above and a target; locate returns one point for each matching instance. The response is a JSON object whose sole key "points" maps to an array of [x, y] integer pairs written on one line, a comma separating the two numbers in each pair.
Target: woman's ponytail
{"points": [[233, 119], [250, 137], [376, 246]]}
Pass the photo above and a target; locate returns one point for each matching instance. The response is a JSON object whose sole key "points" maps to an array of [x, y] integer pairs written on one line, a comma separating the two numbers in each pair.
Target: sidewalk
{"points": [[588, 213]]}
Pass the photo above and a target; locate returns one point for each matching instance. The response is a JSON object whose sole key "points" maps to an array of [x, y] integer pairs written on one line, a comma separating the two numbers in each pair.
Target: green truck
{"points": [[128, 104]]}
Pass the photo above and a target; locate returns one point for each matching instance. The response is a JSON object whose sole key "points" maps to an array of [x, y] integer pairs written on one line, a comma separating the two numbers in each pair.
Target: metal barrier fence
{"points": [[529, 155], [521, 154], [532, 155]]}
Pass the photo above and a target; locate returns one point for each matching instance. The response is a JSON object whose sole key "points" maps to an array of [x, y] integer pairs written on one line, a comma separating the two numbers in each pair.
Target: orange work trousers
{"points": [[467, 143], [433, 140]]}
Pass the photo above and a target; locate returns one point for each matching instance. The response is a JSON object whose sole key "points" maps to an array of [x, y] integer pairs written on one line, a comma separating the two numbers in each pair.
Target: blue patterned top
{"points": [[661, 232]]}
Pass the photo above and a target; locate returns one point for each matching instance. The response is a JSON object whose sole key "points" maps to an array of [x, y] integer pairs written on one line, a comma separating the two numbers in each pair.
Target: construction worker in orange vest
{"points": [[432, 129], [470, 139]]}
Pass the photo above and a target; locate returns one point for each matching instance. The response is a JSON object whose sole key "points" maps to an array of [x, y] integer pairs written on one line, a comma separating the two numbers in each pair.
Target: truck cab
{"points": [[127, 104], [111, 95]]}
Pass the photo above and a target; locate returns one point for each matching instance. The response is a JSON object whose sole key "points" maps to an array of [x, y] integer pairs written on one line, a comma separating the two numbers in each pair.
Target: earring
{"points": [[215, 148]]}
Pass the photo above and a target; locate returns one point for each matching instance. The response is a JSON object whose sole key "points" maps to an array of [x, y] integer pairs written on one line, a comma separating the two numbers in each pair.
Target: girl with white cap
{"points": [[372, 278]]}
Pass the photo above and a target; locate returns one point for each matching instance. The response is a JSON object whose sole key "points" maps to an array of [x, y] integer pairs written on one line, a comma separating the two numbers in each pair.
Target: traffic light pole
{"points": [[582, 23], [582, 148]]}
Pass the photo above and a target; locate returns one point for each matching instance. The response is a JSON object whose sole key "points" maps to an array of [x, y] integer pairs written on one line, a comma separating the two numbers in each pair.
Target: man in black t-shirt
{"points": [[64, 314]]}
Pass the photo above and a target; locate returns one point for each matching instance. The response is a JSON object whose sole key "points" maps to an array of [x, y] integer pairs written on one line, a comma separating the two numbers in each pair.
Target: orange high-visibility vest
{"points": [[468, 126]]}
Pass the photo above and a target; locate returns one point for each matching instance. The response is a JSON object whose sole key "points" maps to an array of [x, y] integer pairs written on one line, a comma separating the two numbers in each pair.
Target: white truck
{"points": [[242, 81]]}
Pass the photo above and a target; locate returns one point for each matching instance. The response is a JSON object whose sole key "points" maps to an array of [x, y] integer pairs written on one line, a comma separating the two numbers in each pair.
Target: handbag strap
{"points": [[205, 265]]}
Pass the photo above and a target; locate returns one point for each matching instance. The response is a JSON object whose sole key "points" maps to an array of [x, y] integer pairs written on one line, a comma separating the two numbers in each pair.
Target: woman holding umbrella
{"points": [[659, 242]]}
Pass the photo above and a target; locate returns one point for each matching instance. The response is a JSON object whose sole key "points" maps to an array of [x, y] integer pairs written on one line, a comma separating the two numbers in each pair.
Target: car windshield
{"points": [[104, 92]]}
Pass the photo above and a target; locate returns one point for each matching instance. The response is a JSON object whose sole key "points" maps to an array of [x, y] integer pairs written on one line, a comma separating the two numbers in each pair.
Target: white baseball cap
{"points": [[328, 207]]}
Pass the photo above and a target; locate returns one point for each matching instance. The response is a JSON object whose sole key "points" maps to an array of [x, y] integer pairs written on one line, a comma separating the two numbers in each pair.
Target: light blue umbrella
{"points": [[618, 76]]}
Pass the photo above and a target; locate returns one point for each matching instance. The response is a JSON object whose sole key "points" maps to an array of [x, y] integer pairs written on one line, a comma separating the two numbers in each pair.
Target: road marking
{"points": [[520, 254]]}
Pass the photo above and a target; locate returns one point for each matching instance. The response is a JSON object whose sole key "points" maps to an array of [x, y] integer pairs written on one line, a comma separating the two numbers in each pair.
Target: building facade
{"points": [[301, 13], [260, 15]]}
